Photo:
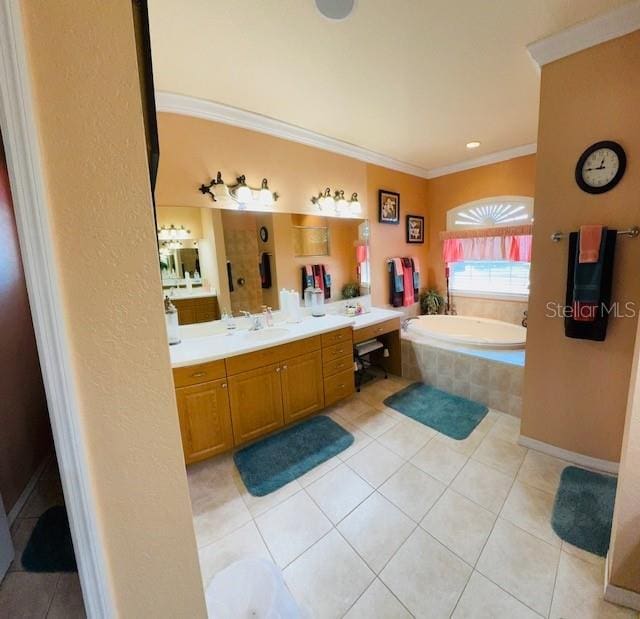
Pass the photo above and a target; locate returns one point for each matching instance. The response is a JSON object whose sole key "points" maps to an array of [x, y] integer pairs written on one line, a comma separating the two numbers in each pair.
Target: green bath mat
{"points": [[49, 548], [583, 509], [449, 414], [273, 462]]}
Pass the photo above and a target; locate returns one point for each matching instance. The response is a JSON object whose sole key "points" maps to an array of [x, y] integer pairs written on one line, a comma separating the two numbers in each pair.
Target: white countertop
{"points": [[195, 293], [209, 341]]}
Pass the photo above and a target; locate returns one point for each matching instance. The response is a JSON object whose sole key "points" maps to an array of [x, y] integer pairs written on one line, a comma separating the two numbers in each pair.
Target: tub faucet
{"points": [[524, 320], [406, 321], [256, 321]]}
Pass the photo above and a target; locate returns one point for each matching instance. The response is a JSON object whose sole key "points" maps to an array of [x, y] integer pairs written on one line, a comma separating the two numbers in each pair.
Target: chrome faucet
{"points": [[256, 321], [406, 321]]}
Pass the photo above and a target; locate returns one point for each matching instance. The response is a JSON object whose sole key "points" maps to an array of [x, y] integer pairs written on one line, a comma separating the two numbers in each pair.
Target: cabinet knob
{"points": [[341, 386], [277, 369], [224, 385], [198, 374], [338, 352], [284, 367]]}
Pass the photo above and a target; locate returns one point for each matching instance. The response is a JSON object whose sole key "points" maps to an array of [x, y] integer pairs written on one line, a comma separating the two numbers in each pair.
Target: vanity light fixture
{"points": [[472, 145], [338, 203], [170, 233], [241, 193]]}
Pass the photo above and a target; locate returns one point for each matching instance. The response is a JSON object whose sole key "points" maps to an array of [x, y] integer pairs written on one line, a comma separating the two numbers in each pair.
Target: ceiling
{"points": [[410, 79]]}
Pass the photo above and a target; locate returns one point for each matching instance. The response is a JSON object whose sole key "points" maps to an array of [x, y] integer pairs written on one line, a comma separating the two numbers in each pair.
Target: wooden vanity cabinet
{"points": [[302, 388], [205, 419], [256, 403]]}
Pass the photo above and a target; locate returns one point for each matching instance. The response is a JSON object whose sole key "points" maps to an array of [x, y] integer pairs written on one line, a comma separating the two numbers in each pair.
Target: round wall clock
{"points": [[601, 167], [264, 234]]}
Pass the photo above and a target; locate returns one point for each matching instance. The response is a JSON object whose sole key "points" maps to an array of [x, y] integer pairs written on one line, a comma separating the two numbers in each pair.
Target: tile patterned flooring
{"points": [[407, 523], [31, 595]]}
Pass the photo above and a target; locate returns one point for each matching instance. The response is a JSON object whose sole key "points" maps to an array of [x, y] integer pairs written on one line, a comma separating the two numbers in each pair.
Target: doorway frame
{"points": [[29, 195]]}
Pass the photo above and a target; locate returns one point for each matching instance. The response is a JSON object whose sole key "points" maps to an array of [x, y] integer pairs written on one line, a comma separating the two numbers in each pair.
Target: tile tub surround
{"points": [[407, 523], [493, 383], [498, 309]]}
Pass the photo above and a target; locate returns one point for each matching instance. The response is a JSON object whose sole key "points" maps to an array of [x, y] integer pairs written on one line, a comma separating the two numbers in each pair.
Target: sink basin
{"points": [[267, 334]]}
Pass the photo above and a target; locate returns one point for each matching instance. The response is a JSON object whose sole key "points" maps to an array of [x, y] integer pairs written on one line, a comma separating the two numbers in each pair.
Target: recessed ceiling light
{"points": [[473, 144], [335, 9]]}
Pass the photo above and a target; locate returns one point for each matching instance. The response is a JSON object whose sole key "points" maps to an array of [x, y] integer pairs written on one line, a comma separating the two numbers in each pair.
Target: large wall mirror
{"points": [[244, 258]]}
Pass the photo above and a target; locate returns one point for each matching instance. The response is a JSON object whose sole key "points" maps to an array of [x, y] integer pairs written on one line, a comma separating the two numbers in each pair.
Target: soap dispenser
{"points": [[171, 320]]}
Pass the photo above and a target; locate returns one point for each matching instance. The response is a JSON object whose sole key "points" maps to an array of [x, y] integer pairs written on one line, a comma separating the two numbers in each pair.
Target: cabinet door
{"points": [[302, 388], [205, 419], [256, 402]]}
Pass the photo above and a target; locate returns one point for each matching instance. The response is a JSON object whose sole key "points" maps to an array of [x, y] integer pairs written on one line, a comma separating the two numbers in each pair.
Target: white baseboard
{"points": [[28, 489], [604, 466], [618, 595]]}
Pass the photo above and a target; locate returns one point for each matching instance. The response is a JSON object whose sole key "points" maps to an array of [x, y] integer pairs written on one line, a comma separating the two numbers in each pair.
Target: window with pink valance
{"points": [[515, 248]]}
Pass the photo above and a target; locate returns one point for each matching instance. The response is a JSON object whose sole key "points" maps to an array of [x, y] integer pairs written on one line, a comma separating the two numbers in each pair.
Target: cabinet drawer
{"points": [[336, 351], [368, 333], [339, 386], [275, 354], [333, 366], [337, 337], [202, 373]]}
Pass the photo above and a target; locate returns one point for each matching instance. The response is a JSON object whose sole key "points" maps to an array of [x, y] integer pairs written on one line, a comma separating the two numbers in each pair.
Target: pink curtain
{"points": [[362, 253], [515, 248]]}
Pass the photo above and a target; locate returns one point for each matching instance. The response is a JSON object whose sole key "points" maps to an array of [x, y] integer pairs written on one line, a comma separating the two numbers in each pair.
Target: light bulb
{"points": [[355, 206], [266, 197], [326, 201], [242, 192], [341, 203]]}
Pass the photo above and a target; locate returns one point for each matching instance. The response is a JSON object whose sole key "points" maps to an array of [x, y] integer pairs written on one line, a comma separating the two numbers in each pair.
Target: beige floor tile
{"points": [[360, 441], [375, 463], [21, 531], [352, 408], [67, 601], [243, 543], [482, 599], [582, 554], [46, 494], [439, 461], [426, 577], [26, 594], [375, 422], [376, 529], [531, 509], [460, 524], [506, 428], [579, 592], [328, 578], [292, 526], [406, 439], [465, 446], [318, 471], [260, 504], [541, 471], [483, 484], [412, 490], [217, 517], [521, 564], [378, 601], [339, 492], [504, 456]]}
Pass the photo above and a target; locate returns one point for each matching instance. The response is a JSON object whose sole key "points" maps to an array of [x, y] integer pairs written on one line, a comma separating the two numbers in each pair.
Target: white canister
{"points": [[171, 320]]}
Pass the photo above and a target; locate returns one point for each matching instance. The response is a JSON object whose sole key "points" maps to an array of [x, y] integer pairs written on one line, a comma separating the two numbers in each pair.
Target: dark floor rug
{"points": [[276, 460], [49, 548], [449, 414], [583, 509]]}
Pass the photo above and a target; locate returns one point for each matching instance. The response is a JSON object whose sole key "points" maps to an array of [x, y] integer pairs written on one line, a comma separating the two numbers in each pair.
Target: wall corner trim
{"points": [[184, 105], [618, 595], [572, 457], [583, 35], [20, 136]]}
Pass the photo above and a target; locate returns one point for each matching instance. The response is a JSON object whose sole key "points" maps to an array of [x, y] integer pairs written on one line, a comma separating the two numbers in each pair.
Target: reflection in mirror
{"points": [[243, 259]]}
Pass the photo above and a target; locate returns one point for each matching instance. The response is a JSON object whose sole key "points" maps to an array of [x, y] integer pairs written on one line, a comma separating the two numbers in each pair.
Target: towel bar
{"points": [[556, 237]]}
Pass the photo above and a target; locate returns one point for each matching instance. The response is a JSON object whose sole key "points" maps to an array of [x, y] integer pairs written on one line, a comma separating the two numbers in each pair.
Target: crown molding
{"points": [[605, 27], [477, 162], [228, 115]]}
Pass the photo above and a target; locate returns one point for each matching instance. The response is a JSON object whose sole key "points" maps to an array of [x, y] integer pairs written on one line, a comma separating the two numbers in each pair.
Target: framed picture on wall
{"points": [[415, 229], [388, 207]]}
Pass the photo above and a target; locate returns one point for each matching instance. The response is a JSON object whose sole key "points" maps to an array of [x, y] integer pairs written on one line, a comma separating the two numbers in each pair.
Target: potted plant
{"points": [[350, 290], [431, 302]]}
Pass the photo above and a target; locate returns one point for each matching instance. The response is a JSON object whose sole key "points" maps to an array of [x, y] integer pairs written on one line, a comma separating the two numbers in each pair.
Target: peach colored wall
{"points": [[193, 150], [515, 177], [178, 216], [389, 240], [89, 118], [25, 440], [575, 390], [624, 552]]}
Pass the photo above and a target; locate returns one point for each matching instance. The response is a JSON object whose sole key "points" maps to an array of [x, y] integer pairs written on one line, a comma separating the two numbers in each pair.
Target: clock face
{"points": [[601, 167]]}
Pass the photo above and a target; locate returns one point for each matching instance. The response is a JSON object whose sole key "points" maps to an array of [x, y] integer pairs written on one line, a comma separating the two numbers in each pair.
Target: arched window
{"points": [[495, 212]]}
